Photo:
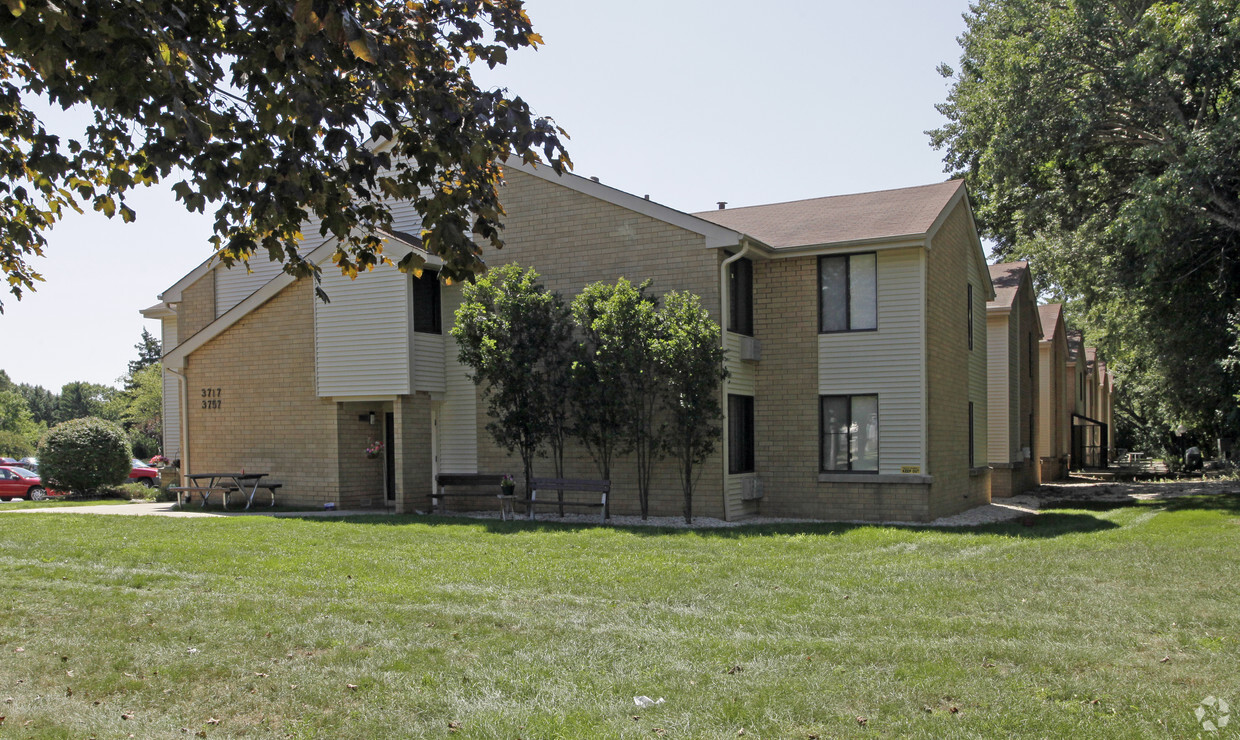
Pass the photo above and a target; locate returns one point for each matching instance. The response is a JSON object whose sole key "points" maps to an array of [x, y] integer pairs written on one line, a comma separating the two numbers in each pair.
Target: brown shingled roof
{"points": [[1048, 315], [841, 218], [1075, 339], [1006, 278]]}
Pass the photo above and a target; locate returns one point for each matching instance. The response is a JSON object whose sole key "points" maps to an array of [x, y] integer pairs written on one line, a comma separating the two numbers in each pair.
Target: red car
{"points": [[21, 483], [143, 473]]}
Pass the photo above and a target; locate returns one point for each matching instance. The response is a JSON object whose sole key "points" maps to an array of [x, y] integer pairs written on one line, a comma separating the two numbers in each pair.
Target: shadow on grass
{"points": [[1032, 527], [1222, 502]]}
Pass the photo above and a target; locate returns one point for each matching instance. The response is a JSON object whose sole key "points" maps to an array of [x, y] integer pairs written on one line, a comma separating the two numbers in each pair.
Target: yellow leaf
{"points": [[362, 50]]}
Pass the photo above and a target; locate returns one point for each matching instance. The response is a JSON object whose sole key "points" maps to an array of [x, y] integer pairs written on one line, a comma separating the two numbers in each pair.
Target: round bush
{"points": [[83, 454]]}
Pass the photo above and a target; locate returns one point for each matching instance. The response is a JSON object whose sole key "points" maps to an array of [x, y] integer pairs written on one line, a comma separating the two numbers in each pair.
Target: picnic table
{"points": [[226, 484]]}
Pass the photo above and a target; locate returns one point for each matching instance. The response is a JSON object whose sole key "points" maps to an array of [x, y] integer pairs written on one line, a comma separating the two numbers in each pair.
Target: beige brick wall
{"points": [[950, 262], [413, 460], [786, 404], [197, 307], [573, 240], [361, 478], [261, 371]]}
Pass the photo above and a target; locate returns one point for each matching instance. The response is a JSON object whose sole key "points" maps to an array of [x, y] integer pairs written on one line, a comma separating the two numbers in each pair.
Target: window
{"points": [[426, 303], [849, 433], [970, 309], [740, 434], [740, 293], [847, 293], [972, 462]]}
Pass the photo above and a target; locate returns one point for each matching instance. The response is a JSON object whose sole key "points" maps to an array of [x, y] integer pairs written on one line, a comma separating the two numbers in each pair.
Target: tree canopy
{"points": [[268, 112], [1099, 139]]}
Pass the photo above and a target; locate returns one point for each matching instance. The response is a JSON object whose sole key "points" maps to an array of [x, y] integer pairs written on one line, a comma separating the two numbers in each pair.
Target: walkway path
{"points": [[170, 509]]}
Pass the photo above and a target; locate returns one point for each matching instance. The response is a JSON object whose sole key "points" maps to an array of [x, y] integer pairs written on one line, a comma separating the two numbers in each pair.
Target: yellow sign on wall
{"points": [[910, 468]]}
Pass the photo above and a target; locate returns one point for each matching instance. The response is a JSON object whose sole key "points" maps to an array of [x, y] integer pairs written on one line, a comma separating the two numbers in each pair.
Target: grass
{"points": [[1100, 622]]}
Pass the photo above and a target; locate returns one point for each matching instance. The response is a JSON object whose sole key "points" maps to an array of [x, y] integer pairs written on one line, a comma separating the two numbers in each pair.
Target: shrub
{"points": [[84, 454], [128, 492]]}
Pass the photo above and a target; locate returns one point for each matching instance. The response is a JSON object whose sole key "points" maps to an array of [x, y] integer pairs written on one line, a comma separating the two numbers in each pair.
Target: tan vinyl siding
{"points": [[743, 381], [457, 435], [234, 284], [998, 348], [362, 335], [742, 376], [887, 362], [172, 394], [428, 361], [979, 377]]}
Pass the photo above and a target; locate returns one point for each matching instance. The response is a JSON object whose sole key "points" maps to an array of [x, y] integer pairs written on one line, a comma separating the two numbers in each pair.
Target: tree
{"points": [[139, 407], [622, 329], [83, 454], [150, 350], [515, 337], [80, 399], [1099, 140], [690, 358], [270, 112], [18, 430], [598, 409], [42, 403]]}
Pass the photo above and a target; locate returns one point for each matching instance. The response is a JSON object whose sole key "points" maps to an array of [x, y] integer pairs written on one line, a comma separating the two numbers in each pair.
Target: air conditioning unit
{"points": [[751, 349], [751, 488]]}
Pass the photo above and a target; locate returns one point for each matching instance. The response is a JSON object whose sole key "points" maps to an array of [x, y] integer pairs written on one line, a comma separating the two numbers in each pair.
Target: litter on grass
{"points": [[646, 701]]}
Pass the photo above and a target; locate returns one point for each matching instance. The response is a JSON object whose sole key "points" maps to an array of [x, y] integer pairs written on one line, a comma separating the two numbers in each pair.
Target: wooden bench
{"points": [[468, 485], [203, 491], [268, 486], [560, 485]]}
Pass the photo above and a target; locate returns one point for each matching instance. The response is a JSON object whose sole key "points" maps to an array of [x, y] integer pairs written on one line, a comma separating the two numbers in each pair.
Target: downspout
{"points": [[183, 400], [723, 338]]}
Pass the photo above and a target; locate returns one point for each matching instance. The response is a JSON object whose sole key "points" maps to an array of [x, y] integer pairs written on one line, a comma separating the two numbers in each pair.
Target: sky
{"points": [[688, 101]]}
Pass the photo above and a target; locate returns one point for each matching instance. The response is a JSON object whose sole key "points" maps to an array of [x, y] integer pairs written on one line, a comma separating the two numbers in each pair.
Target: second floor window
{"points": [[740, 293], [847, 293], [970, 309], [426, 310]]}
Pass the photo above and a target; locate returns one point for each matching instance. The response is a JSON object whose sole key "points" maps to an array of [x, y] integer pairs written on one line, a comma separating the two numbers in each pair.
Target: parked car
{"points": [[21, 483], [7, 461], [143, 473], [139, 472]]}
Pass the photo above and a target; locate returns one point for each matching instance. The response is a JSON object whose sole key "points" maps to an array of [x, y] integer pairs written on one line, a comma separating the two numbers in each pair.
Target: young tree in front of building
{"points": [[598, 410], [515, 337], [690, 359], [622, 326]]}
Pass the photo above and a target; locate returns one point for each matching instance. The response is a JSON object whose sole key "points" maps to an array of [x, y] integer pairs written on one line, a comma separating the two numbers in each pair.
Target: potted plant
{"points": [[374, 449], [508, 486]]}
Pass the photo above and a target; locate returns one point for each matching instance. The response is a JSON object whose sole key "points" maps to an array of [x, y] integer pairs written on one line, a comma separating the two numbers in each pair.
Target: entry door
{"points": [[389, 455]]}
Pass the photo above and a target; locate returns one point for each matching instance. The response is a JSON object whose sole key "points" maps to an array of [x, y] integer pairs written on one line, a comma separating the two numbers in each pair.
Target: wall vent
{"points": [[751, 349]]}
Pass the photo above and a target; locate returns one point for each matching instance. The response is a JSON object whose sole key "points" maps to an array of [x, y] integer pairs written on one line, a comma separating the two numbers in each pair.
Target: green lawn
{"points": [[1090, 623]]}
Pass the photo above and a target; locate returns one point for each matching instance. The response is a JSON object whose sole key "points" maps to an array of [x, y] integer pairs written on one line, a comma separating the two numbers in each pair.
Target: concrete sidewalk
{"points": [[171, 509]]}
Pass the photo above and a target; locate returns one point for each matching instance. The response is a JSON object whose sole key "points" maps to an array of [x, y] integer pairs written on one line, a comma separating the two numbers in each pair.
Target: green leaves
{"points": [[1099, 141], [274, 111]]}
